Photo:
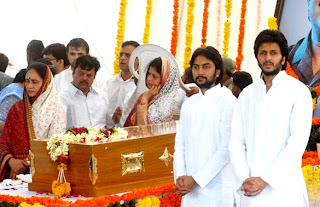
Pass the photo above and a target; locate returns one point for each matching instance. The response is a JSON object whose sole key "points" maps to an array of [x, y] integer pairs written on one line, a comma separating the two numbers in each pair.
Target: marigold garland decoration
{"points": [[120, 35], [188, 41], [149, 201], [146, 32], [205, 22], [226, 31], [312, 178], [241, 34], [174, 34], [272, 23]]}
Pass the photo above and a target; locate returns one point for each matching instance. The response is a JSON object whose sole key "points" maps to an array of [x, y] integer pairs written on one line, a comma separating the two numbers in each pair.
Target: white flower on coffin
{"points": [[119, 134]]}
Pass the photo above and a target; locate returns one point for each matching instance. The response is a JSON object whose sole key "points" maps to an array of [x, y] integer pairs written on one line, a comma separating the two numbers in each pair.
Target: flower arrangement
{"points": [[312, 178], [146, 32], [24, 204], [188, 41], [58, 147], [149, 201], [174, 34], [205, 22], [120, 35], [272, 23], [226, 31], [241, 34]]}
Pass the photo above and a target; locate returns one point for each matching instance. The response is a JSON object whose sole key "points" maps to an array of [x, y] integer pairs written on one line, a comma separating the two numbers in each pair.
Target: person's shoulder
{"points": [[295, 85]]}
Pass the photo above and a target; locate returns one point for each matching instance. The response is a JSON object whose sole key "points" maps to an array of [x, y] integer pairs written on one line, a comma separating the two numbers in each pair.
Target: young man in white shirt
{"points": [[202, 171], [120, 85], [76, 47], [86, 105], [270, 130]]}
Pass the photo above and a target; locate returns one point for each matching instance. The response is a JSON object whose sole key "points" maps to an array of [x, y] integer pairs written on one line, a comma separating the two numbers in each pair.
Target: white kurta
{"points": [[65, 77], [86, 111], [117, 89], [270, 131], [201, 147]]}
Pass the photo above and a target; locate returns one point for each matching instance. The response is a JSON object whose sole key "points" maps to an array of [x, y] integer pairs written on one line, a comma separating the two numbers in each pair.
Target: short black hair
{"points": [[242, 79], [40, 68], [130, 42], [155, 63], [212, 54], [20, 76], [34, 49], [57, 50], [78, 42], [87, 62], [272, 36], [4, 61]]}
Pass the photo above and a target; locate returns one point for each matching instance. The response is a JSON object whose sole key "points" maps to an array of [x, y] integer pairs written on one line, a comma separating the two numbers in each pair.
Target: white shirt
{"points": [[182, 97], [62, 80], [270, 131], [201, 147], [86, 111], [117, 89]]}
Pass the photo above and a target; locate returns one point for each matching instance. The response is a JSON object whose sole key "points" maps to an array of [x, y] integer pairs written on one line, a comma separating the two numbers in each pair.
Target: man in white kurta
{"points": [[270, 130], [201, 143]]}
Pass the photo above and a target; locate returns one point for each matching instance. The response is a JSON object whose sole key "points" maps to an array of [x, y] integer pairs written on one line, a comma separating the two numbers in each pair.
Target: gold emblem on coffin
{"points": [[132, 163], [31, 157], [93, 169], [166, 157]]}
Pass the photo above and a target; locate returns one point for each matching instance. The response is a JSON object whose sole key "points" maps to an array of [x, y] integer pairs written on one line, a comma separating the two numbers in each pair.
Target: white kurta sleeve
{"points": [[237, 147], [179, 164], [289, 158], [220, 158]]}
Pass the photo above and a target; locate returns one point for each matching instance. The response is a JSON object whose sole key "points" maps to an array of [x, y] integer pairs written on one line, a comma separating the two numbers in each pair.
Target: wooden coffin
{"points": [[109, 168]]}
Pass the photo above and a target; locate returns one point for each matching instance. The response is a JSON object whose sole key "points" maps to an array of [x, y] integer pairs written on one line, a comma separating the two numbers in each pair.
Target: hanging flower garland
{"points": [[258, 25], [146, 32], [205, 22], [272, 23], [174, 34], [241, 34], [218, 32], [226, 31], [188, 41], [120, 35]]}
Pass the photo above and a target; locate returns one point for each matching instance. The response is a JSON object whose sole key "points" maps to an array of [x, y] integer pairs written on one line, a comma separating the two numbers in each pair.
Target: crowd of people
{"points": [[234, 137]]}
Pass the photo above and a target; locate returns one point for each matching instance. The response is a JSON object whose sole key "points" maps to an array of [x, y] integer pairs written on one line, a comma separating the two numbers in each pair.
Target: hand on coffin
{"points": [[17, 167], [192, 91], [253, 186], [117, 115]]}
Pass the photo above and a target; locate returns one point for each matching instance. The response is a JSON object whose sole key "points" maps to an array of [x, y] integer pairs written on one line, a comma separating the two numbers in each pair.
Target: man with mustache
{"points": [[202, 171], [86, 105], [270, 130]]}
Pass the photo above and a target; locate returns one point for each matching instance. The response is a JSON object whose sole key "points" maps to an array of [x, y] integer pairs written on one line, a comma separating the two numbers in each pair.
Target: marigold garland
{"points": [[241, 34], [120, 35], [188, 41], [174, 34], [226, 31], [146, 32], [149, 201], [312, 180], [205, 22], [272, 23]]}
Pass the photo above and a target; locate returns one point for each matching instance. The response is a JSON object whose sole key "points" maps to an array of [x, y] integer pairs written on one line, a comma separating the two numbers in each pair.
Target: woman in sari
{"points": [[156, 104], [39, 115]]}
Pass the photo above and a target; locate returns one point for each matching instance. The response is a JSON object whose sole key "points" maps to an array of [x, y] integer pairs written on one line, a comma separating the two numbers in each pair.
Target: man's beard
{"points": [[275, 71], [207, 84]]}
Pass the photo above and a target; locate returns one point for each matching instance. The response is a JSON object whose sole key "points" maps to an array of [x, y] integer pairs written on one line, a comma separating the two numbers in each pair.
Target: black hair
{"points": [[4, 61], [272, 36], [155, 63], [212, 54], [40, 68], [20, 76], [242, 79], [78, 42], [34, 49], [58, 51], [130, 42], [87, 62], [48, 63]]}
